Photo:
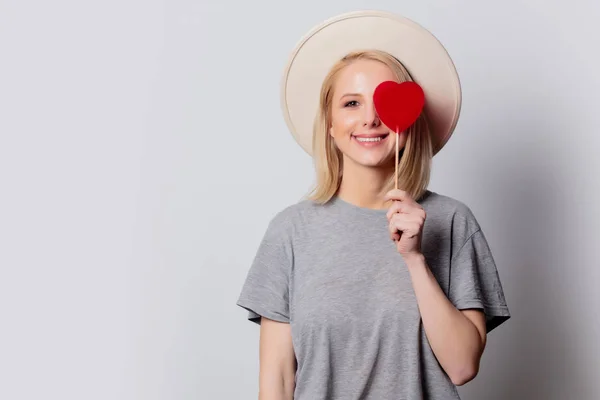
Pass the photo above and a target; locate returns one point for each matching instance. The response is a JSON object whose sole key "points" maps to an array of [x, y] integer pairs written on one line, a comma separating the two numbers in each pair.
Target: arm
{"points": [[457, 338], [277, 361]]}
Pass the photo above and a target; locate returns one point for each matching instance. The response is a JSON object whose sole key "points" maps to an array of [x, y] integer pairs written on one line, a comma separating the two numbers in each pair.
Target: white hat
{"points": [[416, 48]]}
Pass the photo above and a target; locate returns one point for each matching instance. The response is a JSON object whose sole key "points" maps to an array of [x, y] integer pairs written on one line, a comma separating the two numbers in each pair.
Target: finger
{"points": [[402, 196], [397, 207], [397, 194], [414, 230], [406, 208], [408, 224], [393, 229], [398, 223]]}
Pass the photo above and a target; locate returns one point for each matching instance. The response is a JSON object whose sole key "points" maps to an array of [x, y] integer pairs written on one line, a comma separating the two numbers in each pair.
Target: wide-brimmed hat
{"points": [[426, 60]]}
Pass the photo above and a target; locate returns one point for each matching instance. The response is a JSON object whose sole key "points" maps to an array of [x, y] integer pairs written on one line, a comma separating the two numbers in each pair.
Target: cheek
{"points": [[401, 140], [344, 122]]}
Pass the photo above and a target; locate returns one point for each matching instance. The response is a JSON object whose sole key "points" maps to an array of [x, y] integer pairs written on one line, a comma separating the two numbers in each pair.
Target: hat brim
{"points": [[420, 52]]}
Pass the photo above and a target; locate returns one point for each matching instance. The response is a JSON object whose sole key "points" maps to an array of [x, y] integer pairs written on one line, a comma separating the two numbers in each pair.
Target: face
{"points": [[355, 126]]}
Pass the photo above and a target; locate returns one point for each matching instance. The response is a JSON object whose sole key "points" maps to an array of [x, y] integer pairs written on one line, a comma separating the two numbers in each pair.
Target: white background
{"points": [[143, 152]]}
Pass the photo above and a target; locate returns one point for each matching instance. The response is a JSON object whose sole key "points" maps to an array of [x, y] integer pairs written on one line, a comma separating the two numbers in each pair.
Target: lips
{"points": [[381, 135], [370, 140]]}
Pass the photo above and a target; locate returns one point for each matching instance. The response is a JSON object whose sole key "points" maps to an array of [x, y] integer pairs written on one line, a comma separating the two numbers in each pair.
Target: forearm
{"points": [[281, 390], [276, 388], [277, 371], [454, 339]]}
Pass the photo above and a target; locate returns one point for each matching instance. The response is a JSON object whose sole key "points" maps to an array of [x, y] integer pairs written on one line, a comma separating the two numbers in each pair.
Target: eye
{"points": [[351, 103]]}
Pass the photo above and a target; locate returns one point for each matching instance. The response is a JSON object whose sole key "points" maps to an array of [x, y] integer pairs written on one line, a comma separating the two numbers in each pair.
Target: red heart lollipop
{"points": [[398, 104]]}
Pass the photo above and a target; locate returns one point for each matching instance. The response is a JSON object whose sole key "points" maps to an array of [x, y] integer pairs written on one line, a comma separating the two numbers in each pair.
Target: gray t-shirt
{"points": [[333, 273]]}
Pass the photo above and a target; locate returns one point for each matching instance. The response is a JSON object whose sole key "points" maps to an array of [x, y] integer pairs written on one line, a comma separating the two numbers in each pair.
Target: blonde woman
{"points": [[363, 291]]}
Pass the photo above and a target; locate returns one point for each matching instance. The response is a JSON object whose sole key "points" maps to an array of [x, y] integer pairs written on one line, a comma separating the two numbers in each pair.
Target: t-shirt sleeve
{"points": [[475, 282], [265, 292]]}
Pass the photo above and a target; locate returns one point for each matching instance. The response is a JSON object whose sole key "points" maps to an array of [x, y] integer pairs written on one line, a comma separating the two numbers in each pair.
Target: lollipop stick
{"points": [[396, 174]]}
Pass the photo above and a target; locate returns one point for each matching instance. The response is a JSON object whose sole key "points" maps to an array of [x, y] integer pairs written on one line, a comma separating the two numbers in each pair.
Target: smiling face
{"points": [[355, 126]]}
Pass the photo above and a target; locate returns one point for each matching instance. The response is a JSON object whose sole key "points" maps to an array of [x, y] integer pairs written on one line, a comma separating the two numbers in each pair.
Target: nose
{"points": [[371, 116]]}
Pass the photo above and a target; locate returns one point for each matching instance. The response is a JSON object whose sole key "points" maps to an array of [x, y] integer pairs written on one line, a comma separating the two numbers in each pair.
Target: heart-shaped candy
{"points": [[398, 104]]}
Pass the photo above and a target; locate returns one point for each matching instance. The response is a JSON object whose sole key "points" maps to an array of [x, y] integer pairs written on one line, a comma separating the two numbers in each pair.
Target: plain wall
{"points": [[143, 153]]}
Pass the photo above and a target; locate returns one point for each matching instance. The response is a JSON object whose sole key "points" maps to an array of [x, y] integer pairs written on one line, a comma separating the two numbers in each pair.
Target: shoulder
{"points": [[288, 219], [450, 210]]}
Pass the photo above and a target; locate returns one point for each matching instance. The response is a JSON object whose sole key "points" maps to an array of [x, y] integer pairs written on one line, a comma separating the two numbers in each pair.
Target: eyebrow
{"points": [[350, 94]]}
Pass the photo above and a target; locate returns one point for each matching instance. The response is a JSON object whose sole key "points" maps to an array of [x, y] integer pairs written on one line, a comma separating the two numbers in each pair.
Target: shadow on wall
{"points": [[530, 360]]}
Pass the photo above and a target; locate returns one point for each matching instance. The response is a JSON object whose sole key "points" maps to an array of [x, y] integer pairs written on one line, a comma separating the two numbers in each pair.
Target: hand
{"points": [[406, 218]]}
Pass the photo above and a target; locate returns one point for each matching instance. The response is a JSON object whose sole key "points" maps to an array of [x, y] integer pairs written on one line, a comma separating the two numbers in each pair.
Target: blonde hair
{"points": [[414, 164]]}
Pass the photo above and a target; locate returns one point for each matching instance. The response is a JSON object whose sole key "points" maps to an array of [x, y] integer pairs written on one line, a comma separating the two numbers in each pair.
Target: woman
{"points": [[363, 291]]}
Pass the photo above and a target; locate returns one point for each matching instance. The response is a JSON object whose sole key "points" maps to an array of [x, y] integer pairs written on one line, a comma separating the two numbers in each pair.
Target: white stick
{"points": [[396, 175]]}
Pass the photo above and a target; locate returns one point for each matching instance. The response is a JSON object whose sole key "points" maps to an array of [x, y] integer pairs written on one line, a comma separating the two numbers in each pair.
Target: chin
{"points": [[374, 161]]}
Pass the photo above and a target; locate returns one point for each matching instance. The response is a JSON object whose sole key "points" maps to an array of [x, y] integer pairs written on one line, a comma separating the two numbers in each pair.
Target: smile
{"points": [[370, 140], [375, 139]]}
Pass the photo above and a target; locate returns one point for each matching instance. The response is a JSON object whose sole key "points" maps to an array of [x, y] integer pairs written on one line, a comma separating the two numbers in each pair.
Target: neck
{"points": [[365, 186]]}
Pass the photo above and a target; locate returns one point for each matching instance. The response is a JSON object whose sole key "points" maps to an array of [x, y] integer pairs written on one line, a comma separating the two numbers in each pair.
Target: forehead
{"points": [[364, 75]]}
